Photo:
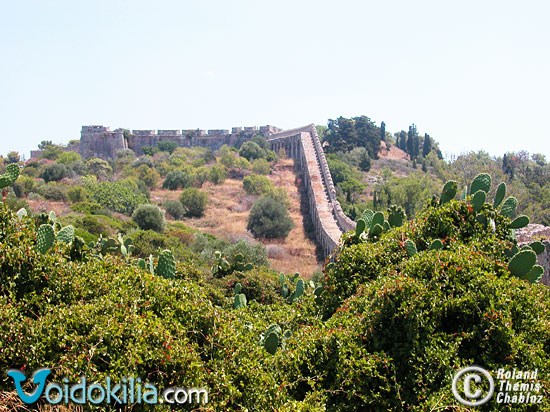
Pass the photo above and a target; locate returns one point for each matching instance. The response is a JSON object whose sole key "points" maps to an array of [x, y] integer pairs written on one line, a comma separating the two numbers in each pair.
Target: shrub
{"points": [[68, 157], [217, 175], [251, 151], [99, 168], [121, 196], [194, 201], [269, 219], [201, 176], [260, 166], [148, 175], [167, 146], [177, 179], [55, 172], [257, 185], [76, 194], [24, 185], [259, 284], [87, 208], [149, 217], [54, 192], [175, 209]]}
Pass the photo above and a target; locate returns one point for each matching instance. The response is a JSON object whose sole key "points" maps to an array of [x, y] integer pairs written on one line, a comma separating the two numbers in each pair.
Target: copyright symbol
{"points": [[473, 398]]}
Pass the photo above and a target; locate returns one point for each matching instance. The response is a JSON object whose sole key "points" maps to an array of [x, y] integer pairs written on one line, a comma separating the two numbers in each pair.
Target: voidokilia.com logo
{"points": [[125, 392]]}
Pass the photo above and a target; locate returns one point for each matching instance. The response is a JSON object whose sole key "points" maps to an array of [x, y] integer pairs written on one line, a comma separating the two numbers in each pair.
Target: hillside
{"points": [[228, 209]]}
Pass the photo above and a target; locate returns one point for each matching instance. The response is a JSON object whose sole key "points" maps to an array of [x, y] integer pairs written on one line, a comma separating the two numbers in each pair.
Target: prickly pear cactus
{"points": [[509, 207], [10, 176], [534, 275], [166, 266], [396, 216], [239, 302], [66, 235], [142, 264], [436, 245], [519, 222], [45, 238], [499, 195], [377, 219], [237, 288], [478, 199], [537, 247], [522, 262], [481, 182], [21, 213], [360, 227], [298, 292], [410, 248], [449, 192], [367, 217], [271, 343]]}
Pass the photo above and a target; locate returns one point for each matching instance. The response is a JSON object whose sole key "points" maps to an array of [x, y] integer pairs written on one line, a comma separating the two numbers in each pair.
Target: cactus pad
{"points": [[11, 175], [436, 245], [166, 266], [367, 216], [481, 182], [522, 262], [66, 235], [396, 216], [376, 230], [534, 274], [478, 199], [538, 247], [509, 207], [21, 213], [45, 238], [410, 247], [377, 219], [360, 227], [239, 301], [519, 222], [449, 192], [237, 289], [271, 343], [499, 195]]}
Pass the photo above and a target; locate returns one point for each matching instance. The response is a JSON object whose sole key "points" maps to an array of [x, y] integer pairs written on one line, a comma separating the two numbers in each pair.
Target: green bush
{"points": [[175, 209], [149, 217], [177, 179], [55, 192], [24, 185], [251, 151], [55, 172], [76, 194], [260, 166], [88, 208], [269, 219], [217, 175], [121, 196], [257, 185], [194, 201]]}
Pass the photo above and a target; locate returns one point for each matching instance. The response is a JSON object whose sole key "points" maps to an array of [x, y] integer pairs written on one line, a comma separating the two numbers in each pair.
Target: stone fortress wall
{"points": [[301, 144], [329, 221], [100, 141]]}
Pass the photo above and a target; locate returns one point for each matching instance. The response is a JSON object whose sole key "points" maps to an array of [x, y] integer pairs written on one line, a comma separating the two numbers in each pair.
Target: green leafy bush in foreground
{"points": [[388, 332]]}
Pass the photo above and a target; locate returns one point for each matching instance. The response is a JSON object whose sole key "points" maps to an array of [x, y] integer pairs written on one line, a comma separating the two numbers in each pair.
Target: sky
{"points": [[475, 75]]}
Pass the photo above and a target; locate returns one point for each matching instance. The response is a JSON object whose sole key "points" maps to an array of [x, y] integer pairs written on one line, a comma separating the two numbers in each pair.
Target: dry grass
{"points": [[228, 209]]}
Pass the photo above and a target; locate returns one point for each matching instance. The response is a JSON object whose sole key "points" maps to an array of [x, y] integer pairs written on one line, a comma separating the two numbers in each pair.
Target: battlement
{"points": [[95, 129], [144, 132], [169, 132]]}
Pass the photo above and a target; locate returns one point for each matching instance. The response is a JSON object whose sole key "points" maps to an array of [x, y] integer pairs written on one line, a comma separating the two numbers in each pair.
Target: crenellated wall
{"points": [[329, 221]]}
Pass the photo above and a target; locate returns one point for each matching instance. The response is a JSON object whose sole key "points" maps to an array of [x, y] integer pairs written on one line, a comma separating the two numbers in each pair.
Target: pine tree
{"points": [[364, 162], [427, 145]]}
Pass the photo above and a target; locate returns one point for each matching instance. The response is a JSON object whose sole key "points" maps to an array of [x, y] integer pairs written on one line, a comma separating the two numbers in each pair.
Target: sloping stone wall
{"points": [[329, 221]]}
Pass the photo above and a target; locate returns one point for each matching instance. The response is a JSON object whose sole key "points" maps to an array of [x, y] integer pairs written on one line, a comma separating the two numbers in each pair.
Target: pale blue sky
{"points": [[473, 74]]}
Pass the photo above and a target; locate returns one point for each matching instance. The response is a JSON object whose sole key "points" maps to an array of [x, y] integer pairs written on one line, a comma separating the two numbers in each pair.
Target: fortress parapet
{"points": [[100, 141]]}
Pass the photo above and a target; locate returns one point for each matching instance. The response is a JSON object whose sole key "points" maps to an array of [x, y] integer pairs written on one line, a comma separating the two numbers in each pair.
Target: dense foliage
{"points": [[269, 219]]}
